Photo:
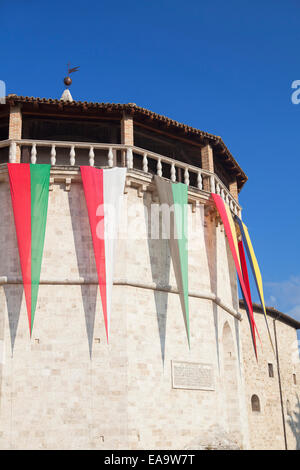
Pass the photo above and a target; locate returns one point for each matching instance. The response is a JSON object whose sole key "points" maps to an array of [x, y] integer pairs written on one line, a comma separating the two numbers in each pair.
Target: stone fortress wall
{"points": [[66, 387], [277, 424]]}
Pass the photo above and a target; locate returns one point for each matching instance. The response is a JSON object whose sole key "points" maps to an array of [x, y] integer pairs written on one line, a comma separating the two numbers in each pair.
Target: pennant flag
{"points": [[103, 191], [175, 196], [29, 189], [230, 231], [244, 269], [255, 270], [246, 280], [247, 285]]}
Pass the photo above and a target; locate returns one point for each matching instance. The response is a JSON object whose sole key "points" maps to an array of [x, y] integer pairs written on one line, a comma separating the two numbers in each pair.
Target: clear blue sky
{"points": [[223, 67]]}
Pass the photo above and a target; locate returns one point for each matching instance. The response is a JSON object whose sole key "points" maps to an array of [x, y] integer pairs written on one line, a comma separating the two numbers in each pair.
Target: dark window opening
{"points": [[255, 404], [4, 136], [271, 370], [72, 130]]}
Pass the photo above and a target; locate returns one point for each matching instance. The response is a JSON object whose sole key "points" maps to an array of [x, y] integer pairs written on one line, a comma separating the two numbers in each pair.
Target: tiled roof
{"points": [[276, 314]]}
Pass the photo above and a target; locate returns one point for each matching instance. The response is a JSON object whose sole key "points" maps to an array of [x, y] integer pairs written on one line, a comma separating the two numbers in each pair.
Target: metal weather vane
{"points": [[68, 80]]}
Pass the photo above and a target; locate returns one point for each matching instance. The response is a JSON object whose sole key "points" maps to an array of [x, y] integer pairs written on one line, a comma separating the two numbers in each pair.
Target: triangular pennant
{"points": [[255, 270], [175, 196], [244, 269], [103, 191], [230, 231], [247, 285], [29, 188]]}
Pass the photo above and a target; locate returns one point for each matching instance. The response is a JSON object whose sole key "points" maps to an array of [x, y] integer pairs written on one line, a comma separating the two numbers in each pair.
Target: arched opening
{"points": [[232, 405], [255, 404]]}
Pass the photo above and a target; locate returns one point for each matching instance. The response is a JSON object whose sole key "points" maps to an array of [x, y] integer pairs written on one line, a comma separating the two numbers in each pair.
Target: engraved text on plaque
{"points": [[193, 376]]}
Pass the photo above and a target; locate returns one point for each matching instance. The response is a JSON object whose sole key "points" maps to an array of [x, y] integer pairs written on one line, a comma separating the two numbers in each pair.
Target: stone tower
{"points": [[65, 387]]}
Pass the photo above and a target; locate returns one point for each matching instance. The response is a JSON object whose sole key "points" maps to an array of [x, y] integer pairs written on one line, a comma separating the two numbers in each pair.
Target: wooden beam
{"points": [[72, 116]]}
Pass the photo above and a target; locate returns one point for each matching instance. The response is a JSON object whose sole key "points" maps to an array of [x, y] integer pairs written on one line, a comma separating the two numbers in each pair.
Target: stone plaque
{"points": [[192, 376]]}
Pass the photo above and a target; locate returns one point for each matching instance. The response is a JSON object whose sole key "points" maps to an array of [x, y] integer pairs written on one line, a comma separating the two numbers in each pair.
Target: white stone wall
{"points": [[266, 427], [66, 388]]}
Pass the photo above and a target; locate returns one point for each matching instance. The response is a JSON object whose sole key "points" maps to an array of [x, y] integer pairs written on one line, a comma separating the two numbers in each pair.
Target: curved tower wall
{"points": [[66, 387]]}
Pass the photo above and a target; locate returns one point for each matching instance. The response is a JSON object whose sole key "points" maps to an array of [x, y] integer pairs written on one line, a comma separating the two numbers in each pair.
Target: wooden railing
{"points": [[160, 165]]}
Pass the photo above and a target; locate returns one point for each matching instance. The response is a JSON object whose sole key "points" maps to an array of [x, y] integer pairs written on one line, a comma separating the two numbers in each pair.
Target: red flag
{"points": [[224, 214], [244, 269], [29, 187], [19, 178], [103, 191], [247, 284]]}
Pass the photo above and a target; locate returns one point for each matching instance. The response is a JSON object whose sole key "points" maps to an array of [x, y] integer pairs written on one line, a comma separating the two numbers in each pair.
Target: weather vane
{"points": [[68, 80]]}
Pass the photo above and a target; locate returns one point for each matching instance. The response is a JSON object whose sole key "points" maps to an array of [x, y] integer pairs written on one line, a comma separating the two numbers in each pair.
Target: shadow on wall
{"points": [[14, 295], [13, 292], [294, 423], [160, 261], [210, 237], [232, 276], [230, 381], [2, 351], [234, 295], [85, 258]]}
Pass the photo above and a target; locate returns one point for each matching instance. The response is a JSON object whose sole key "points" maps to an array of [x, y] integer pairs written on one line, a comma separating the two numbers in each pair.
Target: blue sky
{"points": [[223, 67]]}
